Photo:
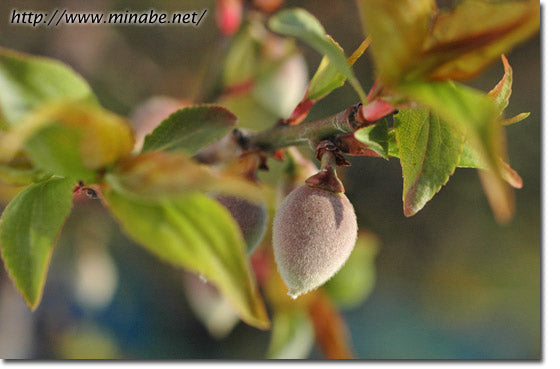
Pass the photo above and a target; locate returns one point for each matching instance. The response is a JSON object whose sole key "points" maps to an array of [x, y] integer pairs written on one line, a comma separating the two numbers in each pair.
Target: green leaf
{"points": [[196, 233], [191, 129], [473, 114], [376, 137], [29, 228], [241, 62], [393, 147], [27, 81], [429, 151], [161, 174], [301, 24], [471, 159], [467, 38], [327, 77], [353, 284], [397, 30], [292, 335], [69, 139]]}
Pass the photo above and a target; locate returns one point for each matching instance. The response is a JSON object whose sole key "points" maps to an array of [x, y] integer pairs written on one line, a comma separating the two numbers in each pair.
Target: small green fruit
{"points": [[250, 217], [313, 235]]}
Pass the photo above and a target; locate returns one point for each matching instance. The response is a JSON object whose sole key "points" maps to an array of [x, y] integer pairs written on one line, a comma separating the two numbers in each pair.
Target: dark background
{"points": [[451, 282]]}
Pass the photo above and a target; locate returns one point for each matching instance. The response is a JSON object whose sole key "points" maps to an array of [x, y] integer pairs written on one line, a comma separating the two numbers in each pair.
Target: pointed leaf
{"points": [[397, 29], [375, 137], [28, 81], [156, 175], [518, 118], [429, 151], [292, 335], [196, 233], [29, 227], [500, 95], [467, 38], [301, 24], [502, 91], [191, 129], [327, 77], [474, 114]]}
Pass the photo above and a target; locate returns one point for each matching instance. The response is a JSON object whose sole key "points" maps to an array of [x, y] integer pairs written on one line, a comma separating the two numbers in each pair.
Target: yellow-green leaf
{"points": [[397, 30], [27, 82], [196, 233], [29, 227], [69, 139]]}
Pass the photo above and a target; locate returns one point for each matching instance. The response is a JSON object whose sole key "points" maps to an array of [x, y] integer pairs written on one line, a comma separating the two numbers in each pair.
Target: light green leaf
{"points": [[327, 77], [301, 24], [473, 114], [398, 30], [29, 227], [191, 129], [69, 139], [28, 81], [376, 137], [196, 233], [353, 284], [292, 335], [393, 147], [241, 62], [429, 151]]}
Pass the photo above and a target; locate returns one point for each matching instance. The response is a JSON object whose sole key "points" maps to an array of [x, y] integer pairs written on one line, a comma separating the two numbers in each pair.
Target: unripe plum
{"points": [[251, 218], [313, 235]]}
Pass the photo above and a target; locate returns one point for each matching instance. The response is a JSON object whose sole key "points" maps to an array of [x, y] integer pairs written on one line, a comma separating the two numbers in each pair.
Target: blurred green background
{"points": [[451, 282]]}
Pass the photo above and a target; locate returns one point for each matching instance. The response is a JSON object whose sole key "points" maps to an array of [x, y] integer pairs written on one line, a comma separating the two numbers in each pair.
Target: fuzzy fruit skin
{"points": [[251, 218], [313, 235]]}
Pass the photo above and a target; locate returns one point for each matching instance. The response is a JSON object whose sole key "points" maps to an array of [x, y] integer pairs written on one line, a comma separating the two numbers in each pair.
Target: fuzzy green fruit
{"points": [[313, 235], [250, 217]]}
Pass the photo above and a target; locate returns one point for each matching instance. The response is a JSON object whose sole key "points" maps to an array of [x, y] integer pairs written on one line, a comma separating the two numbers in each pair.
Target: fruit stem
{"points": [[326, 178]]}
